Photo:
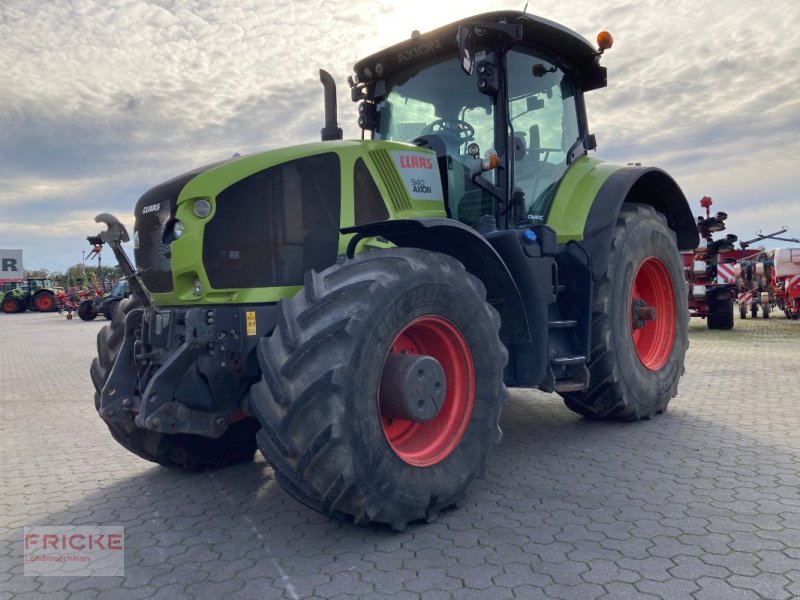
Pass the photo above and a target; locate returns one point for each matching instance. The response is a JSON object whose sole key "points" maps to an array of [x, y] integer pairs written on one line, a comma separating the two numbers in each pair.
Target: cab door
{"points": [[545, 130]]}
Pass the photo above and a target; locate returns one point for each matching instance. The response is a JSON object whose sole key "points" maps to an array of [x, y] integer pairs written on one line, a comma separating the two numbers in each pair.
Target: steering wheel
{"points": [[452, 127]]}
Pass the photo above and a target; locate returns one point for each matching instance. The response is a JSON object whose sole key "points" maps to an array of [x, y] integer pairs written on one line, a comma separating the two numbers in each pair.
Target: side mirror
{"points": [[466, 49], [534, 103]]}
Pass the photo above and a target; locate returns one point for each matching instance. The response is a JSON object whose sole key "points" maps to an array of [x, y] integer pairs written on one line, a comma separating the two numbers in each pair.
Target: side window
{"points": [[545, 123]]}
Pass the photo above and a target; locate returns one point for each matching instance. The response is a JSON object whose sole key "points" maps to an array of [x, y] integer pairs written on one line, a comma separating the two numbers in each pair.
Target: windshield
{"points": [[437, 98], [119, 288]]}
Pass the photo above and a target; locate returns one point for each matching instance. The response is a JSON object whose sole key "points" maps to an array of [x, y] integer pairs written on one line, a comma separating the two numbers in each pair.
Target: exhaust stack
{"points": [[331, 131]]}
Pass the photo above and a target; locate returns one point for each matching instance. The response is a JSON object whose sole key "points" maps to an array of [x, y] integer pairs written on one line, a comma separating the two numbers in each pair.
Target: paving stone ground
{"points": [[702, 502]]}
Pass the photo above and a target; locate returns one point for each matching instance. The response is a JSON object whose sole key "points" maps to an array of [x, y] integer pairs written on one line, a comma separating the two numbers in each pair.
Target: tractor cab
{"points": [[39, 284], [121, 289], [500, 107]]}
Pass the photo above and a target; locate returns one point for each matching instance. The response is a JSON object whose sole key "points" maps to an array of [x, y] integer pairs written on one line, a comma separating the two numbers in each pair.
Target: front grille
{"points": [[153, 257], [153, 211], [271, 227]]}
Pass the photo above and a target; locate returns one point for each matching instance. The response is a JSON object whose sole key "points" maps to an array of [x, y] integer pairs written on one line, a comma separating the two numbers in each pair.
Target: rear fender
{"points": [[643, 185], [479, 258]]}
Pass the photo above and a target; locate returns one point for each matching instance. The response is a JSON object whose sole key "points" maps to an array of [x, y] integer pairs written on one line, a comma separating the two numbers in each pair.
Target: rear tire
{"points": [[45, 301], [86, 310], [720, 313], [324, 429], [765, 311], [743, 311], [190, 452], [634, 372]]}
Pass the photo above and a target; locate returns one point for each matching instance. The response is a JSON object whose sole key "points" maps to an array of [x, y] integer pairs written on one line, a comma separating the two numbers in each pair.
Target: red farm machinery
{"points": [[711, 270], [784, 274], [718, 273], [769, 279], [787, 280]]}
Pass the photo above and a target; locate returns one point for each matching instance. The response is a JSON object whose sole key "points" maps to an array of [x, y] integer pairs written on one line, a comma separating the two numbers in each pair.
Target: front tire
{"points": [[11, 305], [325, 427], [636, 362], [189, 452], [86, 310], [109, 308]]}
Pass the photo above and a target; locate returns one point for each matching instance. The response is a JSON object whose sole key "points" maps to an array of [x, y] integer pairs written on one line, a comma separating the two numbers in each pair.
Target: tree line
{"points": [[78, 275]]}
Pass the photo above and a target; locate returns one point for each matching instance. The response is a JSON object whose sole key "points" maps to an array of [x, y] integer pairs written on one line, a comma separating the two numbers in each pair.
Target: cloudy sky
{"points": [[102, 99]]}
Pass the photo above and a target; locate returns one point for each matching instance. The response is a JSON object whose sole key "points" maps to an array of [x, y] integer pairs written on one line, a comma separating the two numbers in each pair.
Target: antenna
{"points": [[524, 10]]}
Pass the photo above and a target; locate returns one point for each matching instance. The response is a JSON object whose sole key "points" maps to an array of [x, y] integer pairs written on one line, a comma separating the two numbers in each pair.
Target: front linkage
{"points": [[115, 235], [172, 362]]}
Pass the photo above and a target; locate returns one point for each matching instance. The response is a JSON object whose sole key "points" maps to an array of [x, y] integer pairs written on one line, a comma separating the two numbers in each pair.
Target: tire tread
{"points": [[300, 400]]}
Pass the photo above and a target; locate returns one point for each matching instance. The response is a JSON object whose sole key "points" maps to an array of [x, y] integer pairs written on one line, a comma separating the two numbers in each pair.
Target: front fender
{"points": [[468, 247]]}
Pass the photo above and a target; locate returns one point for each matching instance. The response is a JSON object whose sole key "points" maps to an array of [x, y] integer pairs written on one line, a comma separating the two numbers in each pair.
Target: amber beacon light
{"points": [[604, 41]]}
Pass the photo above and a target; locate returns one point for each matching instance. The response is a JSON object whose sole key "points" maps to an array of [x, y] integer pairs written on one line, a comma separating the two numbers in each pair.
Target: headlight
{"points": [[172, 231], [197, 287], [201, 208]]}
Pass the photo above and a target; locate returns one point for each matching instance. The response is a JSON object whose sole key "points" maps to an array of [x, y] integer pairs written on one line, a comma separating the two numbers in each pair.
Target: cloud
{"points": [[707, 91], [100, 100]]}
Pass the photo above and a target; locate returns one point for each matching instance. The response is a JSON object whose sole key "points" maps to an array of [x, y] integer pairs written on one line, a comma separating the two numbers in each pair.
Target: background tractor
{"points": [[98, 303], [357, 309], [32, 294]]}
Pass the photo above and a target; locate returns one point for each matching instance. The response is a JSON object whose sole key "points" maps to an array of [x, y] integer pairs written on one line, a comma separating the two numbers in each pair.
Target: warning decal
{"points": [[793, 286], [725, 273], [420, 173], [250, 317]]}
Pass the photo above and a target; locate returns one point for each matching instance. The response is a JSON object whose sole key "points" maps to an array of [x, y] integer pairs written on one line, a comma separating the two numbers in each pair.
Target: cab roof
{"points": [[574, 51]]}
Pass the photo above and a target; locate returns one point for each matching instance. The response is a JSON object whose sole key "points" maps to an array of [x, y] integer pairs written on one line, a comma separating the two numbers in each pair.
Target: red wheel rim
{"points": [[44, 302], [428, 443], [654, 340], [9, 305]]}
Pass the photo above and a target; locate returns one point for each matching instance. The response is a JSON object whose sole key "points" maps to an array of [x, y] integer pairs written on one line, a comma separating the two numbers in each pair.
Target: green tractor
{"points": [[32, 294], [357, 309]]}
